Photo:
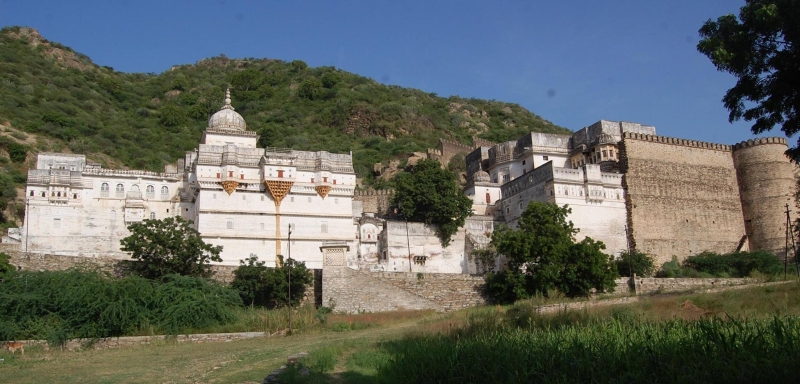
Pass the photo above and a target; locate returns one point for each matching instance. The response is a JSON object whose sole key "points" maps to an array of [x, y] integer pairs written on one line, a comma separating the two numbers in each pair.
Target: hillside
{"points": [[146, 120], [65, 102]]}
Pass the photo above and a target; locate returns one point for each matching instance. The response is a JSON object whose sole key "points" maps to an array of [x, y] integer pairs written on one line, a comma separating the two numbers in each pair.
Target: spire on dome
{"points": [[227, 99], [226, 118]]}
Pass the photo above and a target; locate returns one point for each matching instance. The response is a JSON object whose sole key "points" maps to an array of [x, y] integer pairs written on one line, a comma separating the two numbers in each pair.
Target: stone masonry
{"points": [[684, 197], [353, 291]]}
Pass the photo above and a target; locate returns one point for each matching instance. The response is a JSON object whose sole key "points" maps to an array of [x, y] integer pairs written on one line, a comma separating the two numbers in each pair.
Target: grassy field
{"points": [[416, 347]]}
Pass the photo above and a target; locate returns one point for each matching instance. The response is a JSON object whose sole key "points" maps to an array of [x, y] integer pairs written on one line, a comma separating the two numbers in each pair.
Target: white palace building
{"points": [[239, 196]]}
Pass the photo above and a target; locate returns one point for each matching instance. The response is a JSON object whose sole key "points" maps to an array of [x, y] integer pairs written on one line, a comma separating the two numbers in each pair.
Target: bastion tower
{"points": [[766, 184]]}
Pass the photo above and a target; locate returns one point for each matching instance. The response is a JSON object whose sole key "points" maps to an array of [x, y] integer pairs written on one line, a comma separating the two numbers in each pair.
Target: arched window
{"points": [[31, 193], [488, 198], [164, 193], [104, 190], [58, 194], [120, 191], [44, 194], [151, 192], [74, 195], [152, 215]]}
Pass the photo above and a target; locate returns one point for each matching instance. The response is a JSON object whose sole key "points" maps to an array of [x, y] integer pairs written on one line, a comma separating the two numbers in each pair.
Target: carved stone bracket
{"points": [[322, 190], [278, 189], [229, 186]]}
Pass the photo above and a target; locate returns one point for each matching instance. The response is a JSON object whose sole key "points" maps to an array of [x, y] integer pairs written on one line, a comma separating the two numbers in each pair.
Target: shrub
{"points": [[6, 269], [17, 152], [60, 305], [740, 264], [642, 264], [260, 286]]}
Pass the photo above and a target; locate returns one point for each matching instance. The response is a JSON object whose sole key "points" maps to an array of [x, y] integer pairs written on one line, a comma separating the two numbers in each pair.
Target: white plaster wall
{"points": [[222, 140], [559, 160], [422, 241], [604, 222]]}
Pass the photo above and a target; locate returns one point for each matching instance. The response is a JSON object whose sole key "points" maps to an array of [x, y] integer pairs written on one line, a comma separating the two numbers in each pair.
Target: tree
{"points": [[269, 287], [543, 257], [171, 116], [641, 264], [6, 269], [429, 194], [762, 49], [309, 89], [169, 246]]}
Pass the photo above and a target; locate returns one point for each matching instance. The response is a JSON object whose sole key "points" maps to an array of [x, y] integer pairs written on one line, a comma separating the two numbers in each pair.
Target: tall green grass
{"points": [[61, 305], [611, 351]]}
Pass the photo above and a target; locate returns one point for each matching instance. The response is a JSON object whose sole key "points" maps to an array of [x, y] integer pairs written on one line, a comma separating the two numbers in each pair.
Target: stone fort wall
{"points": [[374, 201], [682, 196]]}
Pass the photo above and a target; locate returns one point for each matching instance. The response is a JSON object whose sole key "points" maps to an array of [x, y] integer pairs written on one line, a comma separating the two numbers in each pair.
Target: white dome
{"points": [[481, 177], [227, 118]]}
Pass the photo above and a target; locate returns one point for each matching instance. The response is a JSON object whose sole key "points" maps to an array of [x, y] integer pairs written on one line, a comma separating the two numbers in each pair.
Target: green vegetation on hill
{"points": [[146, 120]]}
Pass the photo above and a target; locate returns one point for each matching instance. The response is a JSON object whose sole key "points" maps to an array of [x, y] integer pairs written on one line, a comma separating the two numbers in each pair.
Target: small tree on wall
{"points": [[169, 246], [429, 194]]}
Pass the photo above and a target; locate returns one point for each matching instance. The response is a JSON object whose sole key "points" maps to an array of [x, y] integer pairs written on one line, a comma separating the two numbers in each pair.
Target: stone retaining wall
{"points": [[449, 292], [352, 291], [649, 285], [130, 341], [115, 266]]}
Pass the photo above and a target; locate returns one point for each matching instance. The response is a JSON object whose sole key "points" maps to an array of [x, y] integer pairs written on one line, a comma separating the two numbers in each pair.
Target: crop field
{"points": [[746, 335]]}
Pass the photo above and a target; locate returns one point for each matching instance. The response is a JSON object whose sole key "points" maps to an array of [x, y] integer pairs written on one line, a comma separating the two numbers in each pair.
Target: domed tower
{"points": [[227, 126], [766, 184]]}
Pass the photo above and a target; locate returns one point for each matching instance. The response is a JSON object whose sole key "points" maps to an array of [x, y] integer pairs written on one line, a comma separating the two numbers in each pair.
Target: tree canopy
{"points": [[169, 246], [761, 48], [542, 257], [429, 194]]}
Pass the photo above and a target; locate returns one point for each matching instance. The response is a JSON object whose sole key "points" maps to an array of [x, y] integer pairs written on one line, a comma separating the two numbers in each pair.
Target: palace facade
{"points": [[239, 196]]}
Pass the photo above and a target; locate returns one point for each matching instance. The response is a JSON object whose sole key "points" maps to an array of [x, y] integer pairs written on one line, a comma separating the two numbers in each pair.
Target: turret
{"points": [[766, 184]]}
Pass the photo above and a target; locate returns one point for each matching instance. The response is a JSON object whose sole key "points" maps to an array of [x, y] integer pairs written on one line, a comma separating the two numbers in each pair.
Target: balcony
{"points": [[134, 199]]}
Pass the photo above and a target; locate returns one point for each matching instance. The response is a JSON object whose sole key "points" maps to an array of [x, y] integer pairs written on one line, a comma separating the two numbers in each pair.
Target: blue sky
{"points": [[572, 62]]}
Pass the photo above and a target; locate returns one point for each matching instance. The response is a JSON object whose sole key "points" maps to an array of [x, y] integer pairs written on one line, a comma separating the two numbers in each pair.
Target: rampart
{"points": [[682, 196], [374, 201], [446, 150]]}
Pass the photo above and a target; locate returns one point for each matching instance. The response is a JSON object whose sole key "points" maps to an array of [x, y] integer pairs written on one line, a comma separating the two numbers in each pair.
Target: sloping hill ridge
{"points": [[145, 120]]}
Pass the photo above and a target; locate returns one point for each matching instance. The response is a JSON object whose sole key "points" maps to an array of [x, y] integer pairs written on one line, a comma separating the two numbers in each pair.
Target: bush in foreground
{"points": [[61, 305]]}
